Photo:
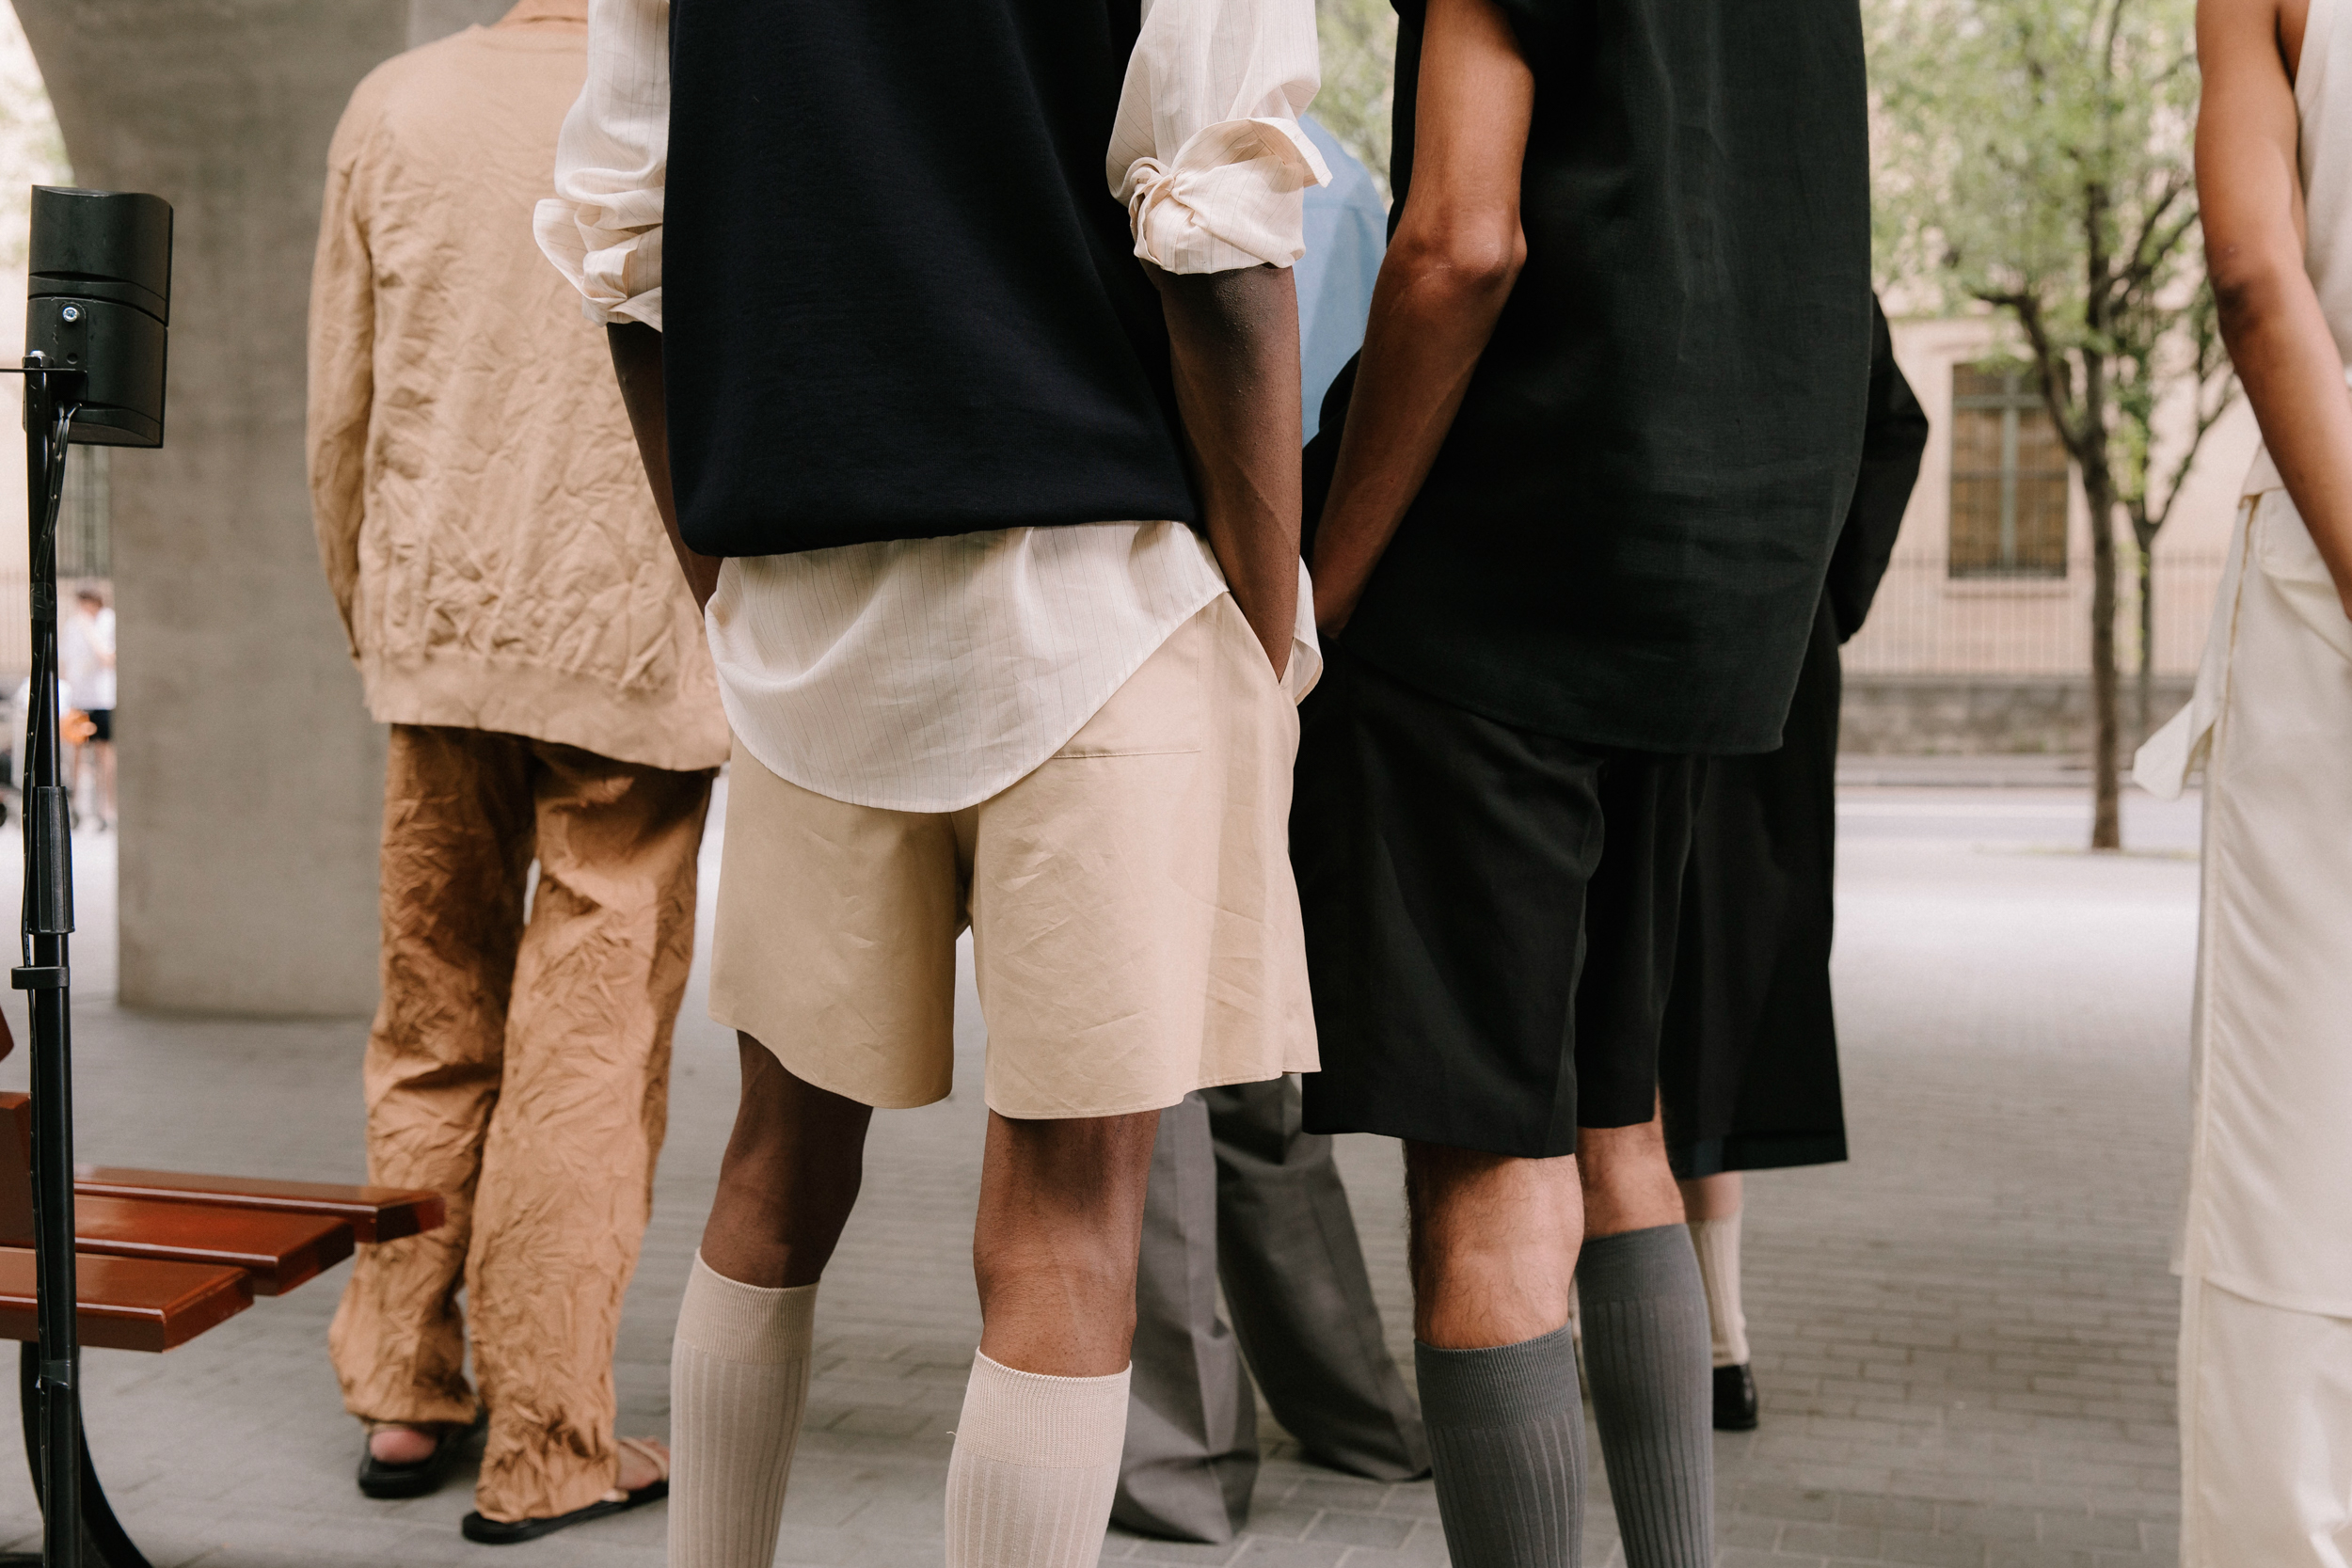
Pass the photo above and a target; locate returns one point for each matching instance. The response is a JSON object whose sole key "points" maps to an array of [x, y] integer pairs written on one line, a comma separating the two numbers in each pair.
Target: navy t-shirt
{"points": [[1623, 537]]}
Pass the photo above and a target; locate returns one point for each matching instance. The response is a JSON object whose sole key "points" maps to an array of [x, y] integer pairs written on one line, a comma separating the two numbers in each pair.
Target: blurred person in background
{"points": [[85, 662], [1242, 1196], [520, 624], [1348, 233], [2266, 1246], [1748, 1057]]}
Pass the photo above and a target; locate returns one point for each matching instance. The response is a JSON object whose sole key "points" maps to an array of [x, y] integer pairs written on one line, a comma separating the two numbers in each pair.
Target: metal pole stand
{"points": [[51, 397]]}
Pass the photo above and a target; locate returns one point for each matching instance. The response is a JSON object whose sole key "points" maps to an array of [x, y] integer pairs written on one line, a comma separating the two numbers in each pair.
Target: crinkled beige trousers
{"points": [[523, 1070]]}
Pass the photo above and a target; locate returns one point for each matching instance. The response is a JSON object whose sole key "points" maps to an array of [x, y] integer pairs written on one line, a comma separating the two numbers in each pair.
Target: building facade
{"points": [[1980, 637]]}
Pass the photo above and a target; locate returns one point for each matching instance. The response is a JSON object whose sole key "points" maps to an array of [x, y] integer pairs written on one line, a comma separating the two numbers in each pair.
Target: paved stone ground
{"points": [[1964, 1336]]}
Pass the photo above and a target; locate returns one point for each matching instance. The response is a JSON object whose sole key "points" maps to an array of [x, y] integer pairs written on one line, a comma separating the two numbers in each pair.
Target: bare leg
{"points": [[741, 1355], [1494, 1244], [1715, 1203], [1712, 1197], [789, 1179], [1494, 1247], [1628, 1183], [1054, 1248], [1036, 1461]]}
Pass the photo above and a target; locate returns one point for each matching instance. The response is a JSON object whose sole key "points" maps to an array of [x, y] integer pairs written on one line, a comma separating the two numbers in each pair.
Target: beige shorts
{"points": [[1134, 921]]}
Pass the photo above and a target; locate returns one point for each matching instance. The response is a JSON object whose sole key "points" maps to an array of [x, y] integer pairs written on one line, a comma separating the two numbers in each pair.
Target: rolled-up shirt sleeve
{"points": [[1206, 151], [602, 228]]}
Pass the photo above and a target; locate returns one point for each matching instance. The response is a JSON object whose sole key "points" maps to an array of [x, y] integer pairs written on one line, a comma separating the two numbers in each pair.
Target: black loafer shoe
{"points": [[1735, 1398], [418, 1477]]}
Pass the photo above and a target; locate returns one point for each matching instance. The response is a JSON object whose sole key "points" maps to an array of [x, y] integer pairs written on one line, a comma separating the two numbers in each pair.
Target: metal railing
{"points": [[1925, 622]]}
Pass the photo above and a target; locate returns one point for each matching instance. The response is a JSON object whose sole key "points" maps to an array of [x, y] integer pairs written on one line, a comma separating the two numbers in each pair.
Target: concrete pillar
{"points": [[251, 776]]}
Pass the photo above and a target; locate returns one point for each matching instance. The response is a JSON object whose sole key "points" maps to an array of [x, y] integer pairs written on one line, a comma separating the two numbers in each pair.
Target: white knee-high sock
{"points": [[1035, 1465], [739, 1381], [1717, 1242]]}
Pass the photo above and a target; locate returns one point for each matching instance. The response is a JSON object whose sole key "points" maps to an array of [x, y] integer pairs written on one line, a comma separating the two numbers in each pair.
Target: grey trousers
{"points": [[1238, 1190]]}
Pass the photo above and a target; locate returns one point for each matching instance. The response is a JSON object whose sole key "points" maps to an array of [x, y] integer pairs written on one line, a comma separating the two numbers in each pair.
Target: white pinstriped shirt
{"points": [[928, 675]]}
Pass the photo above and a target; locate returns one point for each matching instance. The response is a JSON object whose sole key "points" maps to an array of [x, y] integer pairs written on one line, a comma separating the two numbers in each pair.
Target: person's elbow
{"points": [[2252, 283], [1473, 260]]}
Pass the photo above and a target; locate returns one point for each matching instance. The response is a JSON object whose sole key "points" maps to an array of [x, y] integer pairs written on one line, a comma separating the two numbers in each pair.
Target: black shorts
{"points": [[1490, 918], [101, 722]]}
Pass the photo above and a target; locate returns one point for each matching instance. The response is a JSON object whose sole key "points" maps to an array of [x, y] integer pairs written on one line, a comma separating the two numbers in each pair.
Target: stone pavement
{"points": [[1964, 1336]]}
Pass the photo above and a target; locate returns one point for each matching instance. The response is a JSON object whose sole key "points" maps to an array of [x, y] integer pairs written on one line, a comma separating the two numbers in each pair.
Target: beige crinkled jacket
{"points": [[482, 516]]}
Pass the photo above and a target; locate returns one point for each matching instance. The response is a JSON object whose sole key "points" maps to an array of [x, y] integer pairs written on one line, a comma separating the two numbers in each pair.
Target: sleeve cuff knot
{"points": [[1231, 198]]}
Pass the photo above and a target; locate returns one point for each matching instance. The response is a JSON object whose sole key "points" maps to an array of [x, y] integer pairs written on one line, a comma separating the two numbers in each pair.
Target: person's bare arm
{"points": [[1457, 252], [1234, 343], [637, 360], [2252, 200]]}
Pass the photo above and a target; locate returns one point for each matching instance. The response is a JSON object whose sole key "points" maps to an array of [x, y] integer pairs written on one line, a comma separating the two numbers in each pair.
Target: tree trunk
{"points": [[2106, 826]]}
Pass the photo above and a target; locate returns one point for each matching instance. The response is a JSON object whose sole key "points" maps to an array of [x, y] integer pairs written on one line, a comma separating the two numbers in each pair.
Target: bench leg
{"points": [[104, 1544]]}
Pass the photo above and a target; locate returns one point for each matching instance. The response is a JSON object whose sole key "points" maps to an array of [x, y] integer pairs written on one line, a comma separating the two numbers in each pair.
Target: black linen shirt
{"points": [[1623, 538]]}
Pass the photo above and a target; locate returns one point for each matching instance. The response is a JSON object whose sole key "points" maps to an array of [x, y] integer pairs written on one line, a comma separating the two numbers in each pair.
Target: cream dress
{"points": [[2266, 1247]]}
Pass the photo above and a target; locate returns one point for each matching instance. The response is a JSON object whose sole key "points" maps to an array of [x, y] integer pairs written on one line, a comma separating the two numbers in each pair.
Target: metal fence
{"points": [[1925, 622]]}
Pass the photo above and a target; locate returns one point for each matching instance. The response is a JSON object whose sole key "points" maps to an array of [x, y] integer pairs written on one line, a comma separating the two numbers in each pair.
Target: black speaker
{"points": [[101, 291]]}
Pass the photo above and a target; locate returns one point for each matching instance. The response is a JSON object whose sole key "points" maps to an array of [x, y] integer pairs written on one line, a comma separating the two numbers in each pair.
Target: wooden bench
{"points": [[162, 1256]]}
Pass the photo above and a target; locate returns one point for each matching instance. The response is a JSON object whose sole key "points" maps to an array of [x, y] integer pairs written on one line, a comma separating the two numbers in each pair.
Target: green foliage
{"points": [[2036, 156], [1359, 70]]}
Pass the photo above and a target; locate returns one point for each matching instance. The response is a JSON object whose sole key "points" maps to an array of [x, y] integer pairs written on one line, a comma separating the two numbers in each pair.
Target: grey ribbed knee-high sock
{"points": [[1647, 1351], [1507, 1437]]}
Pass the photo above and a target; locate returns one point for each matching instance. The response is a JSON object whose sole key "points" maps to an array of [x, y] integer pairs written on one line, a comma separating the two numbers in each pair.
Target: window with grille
{"points": [[85, 517], [2008, 477]]}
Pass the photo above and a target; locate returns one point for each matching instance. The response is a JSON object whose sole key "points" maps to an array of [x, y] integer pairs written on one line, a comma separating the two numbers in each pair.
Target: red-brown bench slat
{"points": [[279, 1251], [16, 1165], [128, 1302], [373, 1213]]}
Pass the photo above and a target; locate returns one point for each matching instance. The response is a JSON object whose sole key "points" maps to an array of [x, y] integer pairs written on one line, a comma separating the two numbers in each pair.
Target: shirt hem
{"points": [[1154, 1101], [995, 782], [1572, 726], [658, 729]]}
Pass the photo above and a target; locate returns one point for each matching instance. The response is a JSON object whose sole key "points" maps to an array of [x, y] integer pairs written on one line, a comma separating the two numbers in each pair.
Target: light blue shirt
{"points": [[1347, 234]]}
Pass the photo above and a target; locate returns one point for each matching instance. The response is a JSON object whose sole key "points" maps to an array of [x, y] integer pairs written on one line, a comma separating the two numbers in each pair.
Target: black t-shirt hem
{"points": [[1555, 713]]}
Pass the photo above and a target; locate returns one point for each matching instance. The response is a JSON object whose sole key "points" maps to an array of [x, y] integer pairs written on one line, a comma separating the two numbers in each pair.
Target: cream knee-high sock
{"points": [[1717, 1242], [1035, 1465], [739, 1381]]}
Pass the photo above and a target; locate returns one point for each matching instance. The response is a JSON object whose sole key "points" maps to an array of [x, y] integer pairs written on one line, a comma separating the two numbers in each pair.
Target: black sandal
{"points": [[418, 1477], [501, 1532]]}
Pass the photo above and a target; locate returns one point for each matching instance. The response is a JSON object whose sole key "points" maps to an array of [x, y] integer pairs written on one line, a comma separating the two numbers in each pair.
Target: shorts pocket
{"points": [[2283, 548], [1164, 707]]}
